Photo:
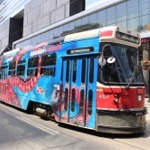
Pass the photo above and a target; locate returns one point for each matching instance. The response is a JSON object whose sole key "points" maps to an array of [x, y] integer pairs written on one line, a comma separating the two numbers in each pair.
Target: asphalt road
{"points": [[19, 131], [22, 131]]}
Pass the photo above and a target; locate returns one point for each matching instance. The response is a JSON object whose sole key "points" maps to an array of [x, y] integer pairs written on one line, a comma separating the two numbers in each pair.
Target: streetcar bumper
{"points": [[121, 122]]}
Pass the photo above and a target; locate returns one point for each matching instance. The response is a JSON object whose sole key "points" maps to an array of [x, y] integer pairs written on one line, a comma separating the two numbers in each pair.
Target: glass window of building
{"points": [[77, 26], [71, 26], [93, 18], [84, 20], [134, 14], [76, 6], [122, 23], [133, 24], [145, 22], [132, 9], [111, 15], [101, 15], [144, 7], [121, 12]]}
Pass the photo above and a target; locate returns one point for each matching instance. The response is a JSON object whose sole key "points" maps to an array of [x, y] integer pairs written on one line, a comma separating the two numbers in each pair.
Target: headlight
{"points": [[139, 97]]}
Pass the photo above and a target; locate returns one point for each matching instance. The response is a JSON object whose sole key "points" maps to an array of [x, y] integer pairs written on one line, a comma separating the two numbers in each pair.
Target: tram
{"points": [[92, 79]]}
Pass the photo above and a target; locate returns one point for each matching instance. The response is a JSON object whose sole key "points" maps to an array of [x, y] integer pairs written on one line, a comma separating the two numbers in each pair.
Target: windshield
{"points": [[121, 65]]}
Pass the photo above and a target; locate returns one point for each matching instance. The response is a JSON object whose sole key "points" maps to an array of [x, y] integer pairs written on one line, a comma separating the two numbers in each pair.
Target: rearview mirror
{"points": [[111, 60], [101, 61]]}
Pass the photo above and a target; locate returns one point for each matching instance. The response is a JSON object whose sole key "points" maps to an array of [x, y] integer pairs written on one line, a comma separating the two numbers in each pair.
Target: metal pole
{"points": [[149, 87], [149, 70]]}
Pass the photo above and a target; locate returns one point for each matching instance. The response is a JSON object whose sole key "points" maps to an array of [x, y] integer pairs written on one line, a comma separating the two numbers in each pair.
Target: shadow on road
{"points": [[105, 135]]}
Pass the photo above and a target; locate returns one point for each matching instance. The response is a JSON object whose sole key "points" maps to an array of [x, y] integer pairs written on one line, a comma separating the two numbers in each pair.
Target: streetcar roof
{"points": [[108, 32]]}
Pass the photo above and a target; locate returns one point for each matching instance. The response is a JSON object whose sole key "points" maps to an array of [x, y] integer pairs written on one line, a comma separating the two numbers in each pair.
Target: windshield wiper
{"points": [[132, 77]]}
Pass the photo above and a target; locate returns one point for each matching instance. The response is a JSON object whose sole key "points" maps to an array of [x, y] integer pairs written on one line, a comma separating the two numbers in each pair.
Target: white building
{"points": [[28, 22]]}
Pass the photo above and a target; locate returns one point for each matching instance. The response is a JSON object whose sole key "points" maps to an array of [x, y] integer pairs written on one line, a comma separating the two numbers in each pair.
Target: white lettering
{"points": [[38, 52]]}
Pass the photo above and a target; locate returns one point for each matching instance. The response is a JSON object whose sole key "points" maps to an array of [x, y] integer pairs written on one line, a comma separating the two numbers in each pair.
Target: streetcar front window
{"points": [[119, 65]]}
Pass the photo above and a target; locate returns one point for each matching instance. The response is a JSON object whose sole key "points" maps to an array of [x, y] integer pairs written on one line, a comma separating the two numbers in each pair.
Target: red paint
{"points": [[7, 93], [53, 48], [127, 98], [106, 33]]}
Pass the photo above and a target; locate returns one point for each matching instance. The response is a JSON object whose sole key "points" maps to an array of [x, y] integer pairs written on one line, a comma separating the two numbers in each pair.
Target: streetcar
{"points": [[91, 79]]}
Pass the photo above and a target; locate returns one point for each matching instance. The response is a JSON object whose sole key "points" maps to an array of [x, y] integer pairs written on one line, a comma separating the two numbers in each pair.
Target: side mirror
{"points": [[111, 60], [101, 61]]}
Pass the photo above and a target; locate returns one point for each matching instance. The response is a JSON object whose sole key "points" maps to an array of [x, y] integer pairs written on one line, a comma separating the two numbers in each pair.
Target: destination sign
{"points": [[127, 37], [79, 51]]}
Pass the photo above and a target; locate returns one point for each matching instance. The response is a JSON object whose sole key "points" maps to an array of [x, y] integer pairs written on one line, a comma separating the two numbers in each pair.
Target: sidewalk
{"points": [[147, 102]]}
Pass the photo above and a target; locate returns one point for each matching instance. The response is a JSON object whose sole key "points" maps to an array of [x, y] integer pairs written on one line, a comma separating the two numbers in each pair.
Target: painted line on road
{"points": [[37, 125]]}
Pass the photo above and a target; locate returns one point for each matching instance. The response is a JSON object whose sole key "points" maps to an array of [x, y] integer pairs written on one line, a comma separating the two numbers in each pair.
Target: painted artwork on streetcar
{"points": [[90, 79]]}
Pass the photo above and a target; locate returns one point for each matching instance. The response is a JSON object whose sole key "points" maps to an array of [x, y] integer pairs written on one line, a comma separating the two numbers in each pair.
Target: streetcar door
{"points": [[79, 95]]}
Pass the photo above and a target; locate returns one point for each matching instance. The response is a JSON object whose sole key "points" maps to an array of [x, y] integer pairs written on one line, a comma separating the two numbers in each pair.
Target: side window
{"points": [[11, 71], [21, 70], [21, 67], [91, 76], [49, 59], [32, 72], [48, 64], [33, 62], [33, 66], [4, 71], [0, 73]]}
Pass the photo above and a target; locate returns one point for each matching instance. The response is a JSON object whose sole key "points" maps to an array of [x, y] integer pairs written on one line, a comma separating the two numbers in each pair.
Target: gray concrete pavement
{"points": [[19, 131], [147, 104]]}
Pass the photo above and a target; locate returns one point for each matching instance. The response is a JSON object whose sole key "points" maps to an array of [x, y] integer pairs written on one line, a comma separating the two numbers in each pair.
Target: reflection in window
{"points": [[49, 59], [91, 70], [4, 71], [21, 61], [84, 20], [132, 9], [11, 71], [121, 12], [93, 18], [21, 70], [145, 22], [121, 70], [90, 98], [102, 18], [12, 65], [33, 62], [144, 7], [32, 72], [74, 70], [48, 71], [109, 70], [81, 101], [111, 15], [66, 99], [73, 100], [48, 64], [67, 70], [122, 23], [132, 23], [83, 71], [77, 23]]}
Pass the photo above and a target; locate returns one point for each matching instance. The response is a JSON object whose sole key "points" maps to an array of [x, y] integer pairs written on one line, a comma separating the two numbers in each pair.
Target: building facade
{"points": [[29, 22], [11, 22]]}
